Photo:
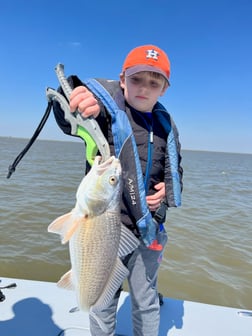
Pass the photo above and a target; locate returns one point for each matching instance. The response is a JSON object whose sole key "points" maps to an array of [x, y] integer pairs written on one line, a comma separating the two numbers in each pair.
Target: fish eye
{"points": [[113, 180]]}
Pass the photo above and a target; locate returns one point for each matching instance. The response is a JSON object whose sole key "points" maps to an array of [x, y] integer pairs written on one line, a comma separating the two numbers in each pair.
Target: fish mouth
{"points": [[111, 161]]}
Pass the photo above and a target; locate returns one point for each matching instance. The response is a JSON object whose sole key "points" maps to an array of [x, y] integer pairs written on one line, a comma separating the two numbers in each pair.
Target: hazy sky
{"points": [[209, 44]]}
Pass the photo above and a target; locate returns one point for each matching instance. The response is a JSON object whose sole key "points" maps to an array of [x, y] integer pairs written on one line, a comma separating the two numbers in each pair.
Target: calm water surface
{"points": [[209, 254]]}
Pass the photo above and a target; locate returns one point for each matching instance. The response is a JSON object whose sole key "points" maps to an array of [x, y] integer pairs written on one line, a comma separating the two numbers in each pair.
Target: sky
{"points": [[209, 44]]}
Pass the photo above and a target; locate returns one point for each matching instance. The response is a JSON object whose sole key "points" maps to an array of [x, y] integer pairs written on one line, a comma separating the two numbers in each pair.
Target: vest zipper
{"points": [[149, 158]]}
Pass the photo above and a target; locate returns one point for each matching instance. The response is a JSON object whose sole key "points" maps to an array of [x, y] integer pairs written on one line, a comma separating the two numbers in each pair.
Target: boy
{"points": [[144, 78]]}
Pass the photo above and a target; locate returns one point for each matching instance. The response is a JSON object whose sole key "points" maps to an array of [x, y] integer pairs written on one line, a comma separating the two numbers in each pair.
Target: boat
{"points": [[31, 307]]}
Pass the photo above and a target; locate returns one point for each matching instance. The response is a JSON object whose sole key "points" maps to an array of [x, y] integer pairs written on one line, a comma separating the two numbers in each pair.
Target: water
{"points": [[209, 254]]}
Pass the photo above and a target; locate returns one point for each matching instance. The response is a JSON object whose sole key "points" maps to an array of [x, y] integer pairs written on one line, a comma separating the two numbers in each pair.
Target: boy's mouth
{"points": [[141, 97]]}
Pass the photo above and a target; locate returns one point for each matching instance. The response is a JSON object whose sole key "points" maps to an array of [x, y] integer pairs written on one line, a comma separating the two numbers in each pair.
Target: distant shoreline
{"points": [[77, 140]]}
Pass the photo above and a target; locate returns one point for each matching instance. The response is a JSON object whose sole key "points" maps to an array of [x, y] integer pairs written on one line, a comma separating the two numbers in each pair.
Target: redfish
{"points": [[97, 239]]}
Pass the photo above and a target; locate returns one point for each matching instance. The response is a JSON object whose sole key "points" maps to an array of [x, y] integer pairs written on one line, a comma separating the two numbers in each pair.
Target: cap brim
{"points": [[143, 67]]}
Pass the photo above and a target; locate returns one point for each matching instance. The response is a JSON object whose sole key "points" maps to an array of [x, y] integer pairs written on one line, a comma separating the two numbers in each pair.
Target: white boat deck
{"points": [[41, 308]]}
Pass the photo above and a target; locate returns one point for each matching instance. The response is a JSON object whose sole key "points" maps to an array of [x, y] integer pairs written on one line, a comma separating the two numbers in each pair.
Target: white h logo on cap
{"points": [[151, 53]]}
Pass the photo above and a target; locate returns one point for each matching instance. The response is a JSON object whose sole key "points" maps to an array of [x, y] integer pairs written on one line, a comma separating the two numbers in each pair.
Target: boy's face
{"points": [[142, 90]]}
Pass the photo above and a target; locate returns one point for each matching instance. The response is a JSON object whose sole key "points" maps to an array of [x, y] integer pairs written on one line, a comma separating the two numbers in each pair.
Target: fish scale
{"points": [[86, 249]]}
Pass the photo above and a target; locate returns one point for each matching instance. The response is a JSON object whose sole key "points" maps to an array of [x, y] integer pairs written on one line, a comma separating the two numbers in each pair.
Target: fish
{"points": [[97, 238]]}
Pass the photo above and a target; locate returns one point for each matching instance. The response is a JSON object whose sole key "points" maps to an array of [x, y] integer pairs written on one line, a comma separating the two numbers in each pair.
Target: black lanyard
{"points": [[12, 167]]}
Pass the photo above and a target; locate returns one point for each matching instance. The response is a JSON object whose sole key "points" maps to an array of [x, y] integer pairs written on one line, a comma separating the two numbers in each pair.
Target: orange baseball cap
{"points": [[147, 58]]}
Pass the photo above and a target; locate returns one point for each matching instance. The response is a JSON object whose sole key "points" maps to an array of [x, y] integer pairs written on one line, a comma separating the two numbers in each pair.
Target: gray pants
{"points": [[143, 266]]}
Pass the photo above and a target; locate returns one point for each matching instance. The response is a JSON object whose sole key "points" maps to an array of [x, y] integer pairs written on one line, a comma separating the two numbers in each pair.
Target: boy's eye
{"points": [[154, 84], [135, 80], [138, 80]]}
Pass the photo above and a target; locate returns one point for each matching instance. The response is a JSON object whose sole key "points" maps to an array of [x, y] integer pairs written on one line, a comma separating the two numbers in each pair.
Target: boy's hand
{"points": [[155, 200], [83, 100]]}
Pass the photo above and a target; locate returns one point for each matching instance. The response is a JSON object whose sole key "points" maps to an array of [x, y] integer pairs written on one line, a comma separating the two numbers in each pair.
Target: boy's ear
{"points": [[166, 85], [122, 80]]}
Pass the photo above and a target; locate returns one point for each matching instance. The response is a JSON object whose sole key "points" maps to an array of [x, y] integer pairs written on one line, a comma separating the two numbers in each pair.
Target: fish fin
{"points": [[61, 224], [128, 242], [66, 281], [65, 226], [117, 276]]}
